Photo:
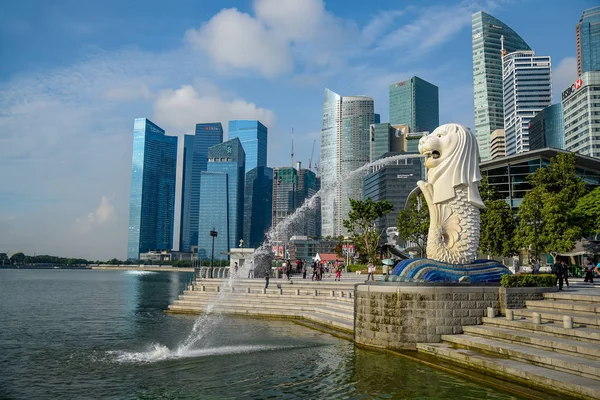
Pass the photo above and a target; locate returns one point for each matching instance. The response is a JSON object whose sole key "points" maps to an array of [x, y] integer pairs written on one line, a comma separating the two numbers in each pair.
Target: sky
{"points": [[75, 74]]}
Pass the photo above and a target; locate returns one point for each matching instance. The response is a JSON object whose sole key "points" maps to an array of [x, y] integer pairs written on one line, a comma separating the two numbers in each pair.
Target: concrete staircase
{"points": [[325, 303], [537, 348]]}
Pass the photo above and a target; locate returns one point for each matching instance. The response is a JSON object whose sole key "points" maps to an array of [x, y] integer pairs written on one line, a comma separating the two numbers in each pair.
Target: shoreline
{"points": [[157, 268]]}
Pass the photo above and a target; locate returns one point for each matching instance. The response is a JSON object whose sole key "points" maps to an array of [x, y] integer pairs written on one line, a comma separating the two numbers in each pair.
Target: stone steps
{"points": [[343, 324], [273, 308], [291, 302], [565, 305], [591, 335], [548, 359], [572, 296], [526, 374], [273, 295], [580, 318], [279, 293], [539, 340]]}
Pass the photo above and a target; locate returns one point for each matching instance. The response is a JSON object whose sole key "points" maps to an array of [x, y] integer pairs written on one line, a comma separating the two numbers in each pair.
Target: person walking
{"points": [[557, 270], [536, 267], [338, 273], [371, 271], [565, 271], [314, 270], [589, 272], [267, 279], [251, 270], [304, 267]]}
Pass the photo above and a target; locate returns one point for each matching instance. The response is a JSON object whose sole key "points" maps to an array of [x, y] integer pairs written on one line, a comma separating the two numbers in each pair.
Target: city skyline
{"points": [[70, 93]]}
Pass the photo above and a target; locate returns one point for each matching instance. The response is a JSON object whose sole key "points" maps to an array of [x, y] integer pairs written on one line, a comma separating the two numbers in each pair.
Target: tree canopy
{"points": [[497, 223], [587, 212], [546, 220], [361, 224], [413, 223]]}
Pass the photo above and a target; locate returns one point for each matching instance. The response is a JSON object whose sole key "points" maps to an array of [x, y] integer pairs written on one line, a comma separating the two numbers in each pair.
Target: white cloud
{"points": [[101, 215], [297, 20], [129, 92], [563, 75], [182, 108], [236, 40]]}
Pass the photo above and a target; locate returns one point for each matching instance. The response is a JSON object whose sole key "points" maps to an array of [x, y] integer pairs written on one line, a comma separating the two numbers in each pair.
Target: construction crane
{"points": [[311, 154]]}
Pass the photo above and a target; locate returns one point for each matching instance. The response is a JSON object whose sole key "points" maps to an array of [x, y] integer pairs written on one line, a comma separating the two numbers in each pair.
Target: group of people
{"points": [[589, 270]]}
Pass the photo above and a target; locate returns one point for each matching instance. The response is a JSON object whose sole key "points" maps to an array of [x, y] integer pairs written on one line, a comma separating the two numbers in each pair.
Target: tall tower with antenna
{"points": [[292, 147]]}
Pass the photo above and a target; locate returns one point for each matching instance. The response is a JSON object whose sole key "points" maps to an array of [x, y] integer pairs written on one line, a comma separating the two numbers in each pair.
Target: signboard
{"points": [[277, 251], [572, 89], [404, 176], [347, 248], [211, 128]]}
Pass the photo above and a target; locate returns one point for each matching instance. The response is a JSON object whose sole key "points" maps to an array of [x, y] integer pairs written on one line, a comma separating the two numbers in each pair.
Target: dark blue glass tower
{"points": [[415, 103], [253, 136], [547, 128], [152, 199], [222, 199], [258, 204], [207, 135], [588, 41], [186, 188]]}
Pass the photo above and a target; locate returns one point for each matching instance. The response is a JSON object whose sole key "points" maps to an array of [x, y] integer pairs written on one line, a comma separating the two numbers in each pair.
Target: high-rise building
{"points": [[386, 138], [415, 103], [487, 74], [497, 144], [392, 182], [291, 188], [527, 85], [186, 189], [207, 135], [258, 205], [588, 41], [581, 104], [152, 199], [253, 136], [344, 148], [547, 128], [222, 199]]}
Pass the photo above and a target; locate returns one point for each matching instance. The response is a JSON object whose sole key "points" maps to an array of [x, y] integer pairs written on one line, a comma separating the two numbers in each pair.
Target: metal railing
{"points": [[213, 272]]}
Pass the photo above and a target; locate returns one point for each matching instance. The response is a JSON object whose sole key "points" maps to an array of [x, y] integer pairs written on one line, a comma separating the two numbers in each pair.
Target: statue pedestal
{"points": [[426, 270]]}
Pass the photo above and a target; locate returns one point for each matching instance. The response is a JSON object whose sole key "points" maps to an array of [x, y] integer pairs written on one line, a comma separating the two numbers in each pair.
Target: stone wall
{"points": [[514, 298], [399, 315]]}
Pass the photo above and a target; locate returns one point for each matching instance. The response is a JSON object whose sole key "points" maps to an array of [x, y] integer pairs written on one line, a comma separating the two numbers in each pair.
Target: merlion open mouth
{"points": [[433, 154]]}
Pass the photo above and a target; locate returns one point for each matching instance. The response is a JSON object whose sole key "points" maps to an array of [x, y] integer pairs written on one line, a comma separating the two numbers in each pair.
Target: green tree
{"points": [[546, 219], [413, 222], [587, 213], [361, 224], [4, 259], [17, 258], [497, 223]]}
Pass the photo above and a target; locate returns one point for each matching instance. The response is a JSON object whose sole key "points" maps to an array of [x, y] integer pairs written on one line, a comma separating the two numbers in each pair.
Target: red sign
{"points": [[578, 83]]}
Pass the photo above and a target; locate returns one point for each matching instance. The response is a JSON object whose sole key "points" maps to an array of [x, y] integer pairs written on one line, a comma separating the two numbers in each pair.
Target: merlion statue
{"points": [[452, 193]]}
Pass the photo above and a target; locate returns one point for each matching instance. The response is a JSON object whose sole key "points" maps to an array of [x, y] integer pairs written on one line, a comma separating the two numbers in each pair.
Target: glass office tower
{"points": [[344, 148], [152, 199], [258, 205], [487, 74], [527, 85], [415, 103], [253, 136], [547, 128], [588, 41], [581, 103], [222, 200], [207, 135], [186, 188]]}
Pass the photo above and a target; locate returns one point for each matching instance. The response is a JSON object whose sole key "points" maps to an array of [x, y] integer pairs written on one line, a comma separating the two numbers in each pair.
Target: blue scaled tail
{"points": [[426, 270]]}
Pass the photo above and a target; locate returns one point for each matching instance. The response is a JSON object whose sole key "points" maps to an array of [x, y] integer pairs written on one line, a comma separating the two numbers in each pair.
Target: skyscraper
{"points": [[344, 148], [547, 128], [386, 138], [258, 204], [487, 74], [527, 85], [415, 103], [152, 199], [581, 105], [186, 188], [253, 136], [588, 41], [207, 135], [222, 199]]}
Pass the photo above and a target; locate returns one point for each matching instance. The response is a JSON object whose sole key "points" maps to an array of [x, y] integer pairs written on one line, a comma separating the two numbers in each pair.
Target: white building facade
{"points": [[345, 147], [581, 105], [527, 89]]}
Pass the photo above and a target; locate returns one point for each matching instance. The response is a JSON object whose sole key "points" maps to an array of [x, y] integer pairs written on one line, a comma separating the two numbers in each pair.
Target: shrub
{"points": [[528, 280], [357, 267]]}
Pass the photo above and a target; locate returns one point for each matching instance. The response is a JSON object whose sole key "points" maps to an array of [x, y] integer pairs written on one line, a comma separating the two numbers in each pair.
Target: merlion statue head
{"points": [[452, 159]]}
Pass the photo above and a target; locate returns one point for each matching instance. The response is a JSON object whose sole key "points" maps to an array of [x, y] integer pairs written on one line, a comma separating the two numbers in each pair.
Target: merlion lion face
{"points": [[438, 146]]}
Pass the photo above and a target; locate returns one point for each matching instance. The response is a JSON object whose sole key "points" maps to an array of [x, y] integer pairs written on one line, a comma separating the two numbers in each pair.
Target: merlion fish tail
{"points": [[454, 227]]}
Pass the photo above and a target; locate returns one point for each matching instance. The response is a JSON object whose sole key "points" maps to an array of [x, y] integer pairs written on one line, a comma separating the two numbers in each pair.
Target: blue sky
{"points": [[74, 75]]}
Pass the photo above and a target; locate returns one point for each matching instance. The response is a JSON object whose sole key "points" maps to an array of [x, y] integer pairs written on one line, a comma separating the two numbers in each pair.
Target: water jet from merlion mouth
{"points": [[205, 323]]}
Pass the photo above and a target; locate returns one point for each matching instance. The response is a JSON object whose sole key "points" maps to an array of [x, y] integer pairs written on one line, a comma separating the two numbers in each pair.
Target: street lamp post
{"points": [[213, 233]]}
